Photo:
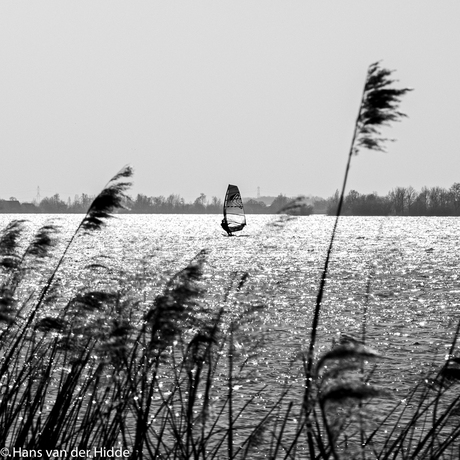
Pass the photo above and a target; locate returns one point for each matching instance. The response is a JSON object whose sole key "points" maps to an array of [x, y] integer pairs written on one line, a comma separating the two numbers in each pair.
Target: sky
{"points": [[195, 95]]}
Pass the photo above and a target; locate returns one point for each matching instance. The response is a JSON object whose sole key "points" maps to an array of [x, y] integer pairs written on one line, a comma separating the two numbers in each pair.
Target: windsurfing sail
{"points": [[233, 209]]}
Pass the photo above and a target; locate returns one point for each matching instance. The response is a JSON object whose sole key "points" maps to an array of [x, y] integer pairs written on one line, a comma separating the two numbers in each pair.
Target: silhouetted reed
{"points": [[378, 107], [85, 374], [160, 377]]}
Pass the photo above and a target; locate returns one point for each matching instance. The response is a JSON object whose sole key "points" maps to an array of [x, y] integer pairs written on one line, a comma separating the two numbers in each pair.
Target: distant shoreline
{"points": [[401, 201]]}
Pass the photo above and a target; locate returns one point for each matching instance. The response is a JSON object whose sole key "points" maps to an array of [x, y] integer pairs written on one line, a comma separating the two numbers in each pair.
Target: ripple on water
{"points": [[410, 262]]}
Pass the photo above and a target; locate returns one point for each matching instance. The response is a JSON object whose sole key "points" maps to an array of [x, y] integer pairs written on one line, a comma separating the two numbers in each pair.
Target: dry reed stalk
{"points": [[378, 107]]}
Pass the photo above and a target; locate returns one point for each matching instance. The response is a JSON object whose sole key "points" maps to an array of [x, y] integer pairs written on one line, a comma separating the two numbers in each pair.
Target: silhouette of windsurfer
{"points": [[224, 225]]}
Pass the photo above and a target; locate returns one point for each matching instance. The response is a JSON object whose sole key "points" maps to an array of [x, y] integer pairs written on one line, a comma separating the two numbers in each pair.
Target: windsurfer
{"points": [[224, 225]]}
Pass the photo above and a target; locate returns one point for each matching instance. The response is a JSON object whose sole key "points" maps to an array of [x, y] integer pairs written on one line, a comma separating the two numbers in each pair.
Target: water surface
{"points": [[410, 264]]}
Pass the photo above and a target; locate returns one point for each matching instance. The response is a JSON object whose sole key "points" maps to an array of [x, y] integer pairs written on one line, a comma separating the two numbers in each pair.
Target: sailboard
{"points": [[234, 217]]}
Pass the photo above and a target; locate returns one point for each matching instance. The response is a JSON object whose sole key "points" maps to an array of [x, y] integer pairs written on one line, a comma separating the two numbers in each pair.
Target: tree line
{"points": [[401, 201], [174, 204], [142, 204]]}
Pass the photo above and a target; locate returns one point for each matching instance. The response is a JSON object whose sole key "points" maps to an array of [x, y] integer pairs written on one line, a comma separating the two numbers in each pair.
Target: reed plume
{"points": [[112, 197], [9, 243], [166, 317], [14, 264], [9, 263], [42, 241], [378, 107]]}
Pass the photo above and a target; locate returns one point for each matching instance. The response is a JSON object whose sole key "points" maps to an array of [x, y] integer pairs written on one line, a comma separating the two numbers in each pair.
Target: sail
{"points": [[233, 209]]}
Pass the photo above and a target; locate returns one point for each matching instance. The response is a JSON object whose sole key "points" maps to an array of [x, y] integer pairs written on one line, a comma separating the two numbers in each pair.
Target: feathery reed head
{"points": [[379, 107], [112, 197], [43, 241], [351, 390], [166, 317], [9, 237], [93, 301], [348, 350]]}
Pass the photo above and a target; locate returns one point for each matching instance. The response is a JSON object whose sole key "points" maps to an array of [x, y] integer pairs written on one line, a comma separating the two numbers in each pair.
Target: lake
{"points": [[409, 263]]}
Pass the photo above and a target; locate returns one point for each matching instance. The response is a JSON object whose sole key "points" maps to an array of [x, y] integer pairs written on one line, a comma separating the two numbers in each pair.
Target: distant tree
{"points": [[398, 201], [53, 204], [201, 200], [422, 203], [80, 204], [142, 204], [375, 205], [350, 202], [411, 196], [332, 204], [356, 204], [455, 198], [199, 205], [319, 205], [175, 204], [158, 204], [255, 207], [439, 202], [215, 206]]}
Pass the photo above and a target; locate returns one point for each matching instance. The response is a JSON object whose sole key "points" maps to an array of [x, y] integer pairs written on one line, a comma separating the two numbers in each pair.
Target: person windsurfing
{"points": [[224, 225]]}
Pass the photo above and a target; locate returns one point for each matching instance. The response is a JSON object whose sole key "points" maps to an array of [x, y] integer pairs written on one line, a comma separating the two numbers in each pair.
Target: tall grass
{"points": [[158, 378]]}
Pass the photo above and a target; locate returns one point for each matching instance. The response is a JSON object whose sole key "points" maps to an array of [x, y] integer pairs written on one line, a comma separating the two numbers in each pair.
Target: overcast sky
{"points": [[198, 94]]}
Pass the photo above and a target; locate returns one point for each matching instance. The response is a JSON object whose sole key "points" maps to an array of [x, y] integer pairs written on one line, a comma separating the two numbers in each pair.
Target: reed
{"points": [[378, 107], [159, 377], [94, 374]]}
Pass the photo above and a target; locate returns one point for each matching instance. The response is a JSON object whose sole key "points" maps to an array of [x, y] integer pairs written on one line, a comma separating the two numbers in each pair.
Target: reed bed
{"points": [[109, 372]]}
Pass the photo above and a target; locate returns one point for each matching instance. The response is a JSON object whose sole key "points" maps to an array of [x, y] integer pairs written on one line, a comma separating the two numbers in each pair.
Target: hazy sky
{"points": [[198, 94]]}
